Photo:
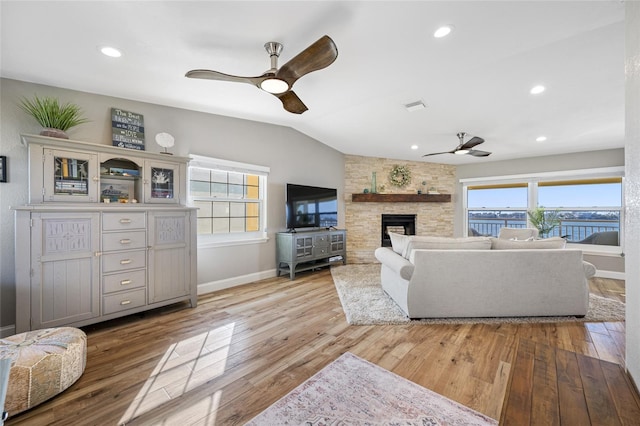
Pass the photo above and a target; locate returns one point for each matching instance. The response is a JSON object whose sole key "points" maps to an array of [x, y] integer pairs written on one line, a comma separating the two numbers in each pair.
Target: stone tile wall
{"points": [[363, 220]]}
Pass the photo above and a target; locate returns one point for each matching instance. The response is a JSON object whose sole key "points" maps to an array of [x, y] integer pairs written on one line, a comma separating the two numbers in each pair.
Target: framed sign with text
{"points": [[127, 129]]}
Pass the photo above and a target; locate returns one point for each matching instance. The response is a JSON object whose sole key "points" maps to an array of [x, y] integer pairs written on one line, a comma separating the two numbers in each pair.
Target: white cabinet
{"points": [[80, 260], [169, 252], [62, 270]]}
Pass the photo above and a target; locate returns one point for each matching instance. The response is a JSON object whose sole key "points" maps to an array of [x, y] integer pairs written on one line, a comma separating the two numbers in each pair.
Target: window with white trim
{"points": [[588, 209], [231, 199]]}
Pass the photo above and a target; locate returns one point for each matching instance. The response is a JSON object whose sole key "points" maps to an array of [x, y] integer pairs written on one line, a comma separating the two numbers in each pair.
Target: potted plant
{"points": [[55, 118], [544, 221]]}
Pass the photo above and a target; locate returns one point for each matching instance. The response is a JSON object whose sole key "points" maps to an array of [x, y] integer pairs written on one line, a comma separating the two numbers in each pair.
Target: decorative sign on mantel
{"points": [[127, 129]]}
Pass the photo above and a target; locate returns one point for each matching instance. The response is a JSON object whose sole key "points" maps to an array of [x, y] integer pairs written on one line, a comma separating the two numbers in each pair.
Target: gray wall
{"points": [[575, 161], [291, 155]]}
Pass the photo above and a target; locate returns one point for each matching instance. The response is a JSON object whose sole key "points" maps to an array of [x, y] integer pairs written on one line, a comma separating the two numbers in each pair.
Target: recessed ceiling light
{"points": [[443, 31], [414, 147], [541, 138], [110, 51], [535, 90]]}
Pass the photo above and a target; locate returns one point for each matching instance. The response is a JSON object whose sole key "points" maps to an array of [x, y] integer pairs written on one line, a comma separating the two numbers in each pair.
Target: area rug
{"points": [[365, 303], [352, 391]]}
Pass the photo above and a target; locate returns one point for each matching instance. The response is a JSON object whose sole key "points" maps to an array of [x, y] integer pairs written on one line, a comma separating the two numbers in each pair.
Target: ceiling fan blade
{"points": [[319, 55], [215, 75], [438, 153], [478, 153], [472, 142], [291, 102]]}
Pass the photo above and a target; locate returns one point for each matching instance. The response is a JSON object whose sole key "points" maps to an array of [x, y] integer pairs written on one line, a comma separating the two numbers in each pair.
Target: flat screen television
{"points": [[311, 207]]}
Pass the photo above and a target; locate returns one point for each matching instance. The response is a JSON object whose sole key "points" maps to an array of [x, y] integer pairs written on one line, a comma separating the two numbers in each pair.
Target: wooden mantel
{"points": [[401, 198]]}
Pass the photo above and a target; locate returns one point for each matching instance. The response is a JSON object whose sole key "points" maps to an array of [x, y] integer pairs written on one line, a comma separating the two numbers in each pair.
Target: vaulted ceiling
{"points": [[477, 79]]}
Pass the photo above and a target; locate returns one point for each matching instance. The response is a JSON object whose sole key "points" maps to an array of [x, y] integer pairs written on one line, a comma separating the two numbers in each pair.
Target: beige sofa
{"points": [[432, 277]]}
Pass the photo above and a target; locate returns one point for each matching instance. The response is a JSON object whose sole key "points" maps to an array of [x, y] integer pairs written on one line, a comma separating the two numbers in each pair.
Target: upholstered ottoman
{"points": [[44, 363]]}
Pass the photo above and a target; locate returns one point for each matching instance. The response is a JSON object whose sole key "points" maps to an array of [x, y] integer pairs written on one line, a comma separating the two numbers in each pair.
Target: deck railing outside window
{"points": [[576, 228]]}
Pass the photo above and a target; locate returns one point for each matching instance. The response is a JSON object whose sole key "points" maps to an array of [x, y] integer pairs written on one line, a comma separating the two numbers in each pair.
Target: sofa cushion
{"points": [[517, 233], [399, 242], [444, 243], [547, 243]]}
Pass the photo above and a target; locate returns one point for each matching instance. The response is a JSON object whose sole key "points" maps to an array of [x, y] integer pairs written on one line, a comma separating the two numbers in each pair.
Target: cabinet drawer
{"points": [[123, 301], [114, 262], [124, 281], [322, 240], [123, 220], [124, 240]]}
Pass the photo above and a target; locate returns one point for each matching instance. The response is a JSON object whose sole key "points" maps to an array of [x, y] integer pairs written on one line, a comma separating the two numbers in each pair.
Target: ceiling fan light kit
{"points": [[274, 85], [279, 81]]}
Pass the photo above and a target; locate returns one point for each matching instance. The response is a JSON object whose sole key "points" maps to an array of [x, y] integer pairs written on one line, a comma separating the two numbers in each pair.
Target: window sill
{"points": [[228, 243], [595, 250]]}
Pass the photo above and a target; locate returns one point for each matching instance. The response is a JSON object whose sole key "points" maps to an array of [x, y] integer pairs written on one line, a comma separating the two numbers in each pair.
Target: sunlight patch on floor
{"points": [[184, 366]]}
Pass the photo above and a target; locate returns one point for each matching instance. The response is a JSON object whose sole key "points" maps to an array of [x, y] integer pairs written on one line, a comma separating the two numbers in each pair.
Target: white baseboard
{"points": [[7, 330], [212, 286], [614, 275]]}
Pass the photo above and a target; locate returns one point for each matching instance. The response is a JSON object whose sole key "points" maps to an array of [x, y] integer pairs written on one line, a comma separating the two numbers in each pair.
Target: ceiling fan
{"points": [[465, 147], [279, 82]]}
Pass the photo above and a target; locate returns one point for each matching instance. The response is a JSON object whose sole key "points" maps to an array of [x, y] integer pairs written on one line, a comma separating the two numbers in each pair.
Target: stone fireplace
{"points": [[404, 224], [363, 220]]}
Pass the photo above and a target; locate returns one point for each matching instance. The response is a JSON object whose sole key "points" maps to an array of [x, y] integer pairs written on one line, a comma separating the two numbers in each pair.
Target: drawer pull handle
{"points": [[125, 220], [125, 241], [125, 302], [125, 261], [125, 282]]}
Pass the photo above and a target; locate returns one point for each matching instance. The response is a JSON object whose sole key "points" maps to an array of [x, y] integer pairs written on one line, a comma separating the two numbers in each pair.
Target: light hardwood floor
{"points": [[242, 349]]}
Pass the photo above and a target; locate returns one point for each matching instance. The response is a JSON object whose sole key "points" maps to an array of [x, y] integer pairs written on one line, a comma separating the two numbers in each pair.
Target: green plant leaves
{"points": [[48, 112]]}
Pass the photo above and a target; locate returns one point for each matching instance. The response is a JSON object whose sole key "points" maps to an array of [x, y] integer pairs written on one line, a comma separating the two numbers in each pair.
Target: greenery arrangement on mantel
{"points": [[54, 117]]}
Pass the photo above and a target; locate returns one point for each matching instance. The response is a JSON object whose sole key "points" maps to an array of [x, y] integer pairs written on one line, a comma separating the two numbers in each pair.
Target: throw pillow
{"points": [[547, 243], [399, 242], [444, 243], [517, 233]]}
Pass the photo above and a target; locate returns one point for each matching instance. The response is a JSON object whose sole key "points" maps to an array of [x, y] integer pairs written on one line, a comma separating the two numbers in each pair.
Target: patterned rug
{"points": [[352, 391], [365, 303]]}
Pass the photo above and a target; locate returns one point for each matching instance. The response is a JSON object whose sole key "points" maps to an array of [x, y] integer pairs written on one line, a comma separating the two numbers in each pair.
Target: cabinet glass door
{"points": [[304, 247], [162, 183], [70, 176]]}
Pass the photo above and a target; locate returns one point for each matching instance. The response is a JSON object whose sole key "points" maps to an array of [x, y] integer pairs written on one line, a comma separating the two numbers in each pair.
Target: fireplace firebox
{"points": [[399, 223]]}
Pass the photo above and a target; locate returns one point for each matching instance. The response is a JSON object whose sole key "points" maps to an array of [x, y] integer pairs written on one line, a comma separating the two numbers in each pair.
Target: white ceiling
{"points": [[475, 80]]}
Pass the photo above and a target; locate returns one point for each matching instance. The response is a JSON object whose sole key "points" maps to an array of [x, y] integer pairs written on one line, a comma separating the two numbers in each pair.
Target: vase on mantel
{"points": [[374, 187]]}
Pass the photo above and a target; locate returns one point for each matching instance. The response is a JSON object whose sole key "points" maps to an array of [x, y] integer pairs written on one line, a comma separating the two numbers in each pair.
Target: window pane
{"points": [[218, 176], [253, 209], [237, 178], [237, 224], [236, 191], [253, 224], [199, 174], [220, 209], [252, 193], [219, 190], [236, 210], [221, 225], [199, 188], [204, 208], [489, 222], [497, 197], [204, 225], [594, 195], [253, 180]]}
